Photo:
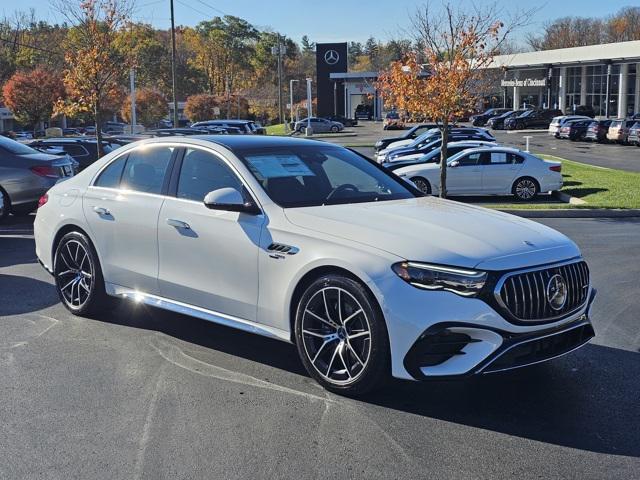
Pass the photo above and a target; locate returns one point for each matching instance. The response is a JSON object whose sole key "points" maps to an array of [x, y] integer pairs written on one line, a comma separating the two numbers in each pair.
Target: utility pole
{"points": [[173, 67], [291, 82], [278, 50], [309, 130], [133, 99]]}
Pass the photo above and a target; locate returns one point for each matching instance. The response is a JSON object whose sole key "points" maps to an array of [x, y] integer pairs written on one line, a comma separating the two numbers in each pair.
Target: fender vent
{"points": [[282, 248]]}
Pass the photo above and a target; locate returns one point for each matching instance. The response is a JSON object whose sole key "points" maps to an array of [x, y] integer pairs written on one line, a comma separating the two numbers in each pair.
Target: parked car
{"points": [[83, 150], [480, 119], [453, 148], [319, 125], [619, 130], [597, 130], [558, 122], [492, 171], [428, 142], [497, 122], [532, 119], [392, 121], [70, 131], [364, 112], [575, 129], [583, 110], [26, 174], [248, 127], [167, 132], [634, 135], [407, 137], [347, 122], [304, 226]]}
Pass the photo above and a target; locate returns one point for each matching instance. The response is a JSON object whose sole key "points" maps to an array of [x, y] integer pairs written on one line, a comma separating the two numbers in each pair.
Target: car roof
{"points": [[238, 142], [496, 148]]}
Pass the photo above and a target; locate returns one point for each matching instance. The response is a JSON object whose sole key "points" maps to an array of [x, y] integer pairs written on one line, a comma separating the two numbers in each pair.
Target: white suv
{"points": [[313, 244]]}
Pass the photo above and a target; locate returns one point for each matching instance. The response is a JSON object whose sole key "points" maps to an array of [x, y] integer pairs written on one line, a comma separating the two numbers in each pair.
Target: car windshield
{"points": [[309, 175], [528, 113], [14, 147]]}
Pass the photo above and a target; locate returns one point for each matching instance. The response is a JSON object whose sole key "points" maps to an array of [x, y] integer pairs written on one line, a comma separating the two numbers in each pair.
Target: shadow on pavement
{"points": [[16, 251], [20, 295]]}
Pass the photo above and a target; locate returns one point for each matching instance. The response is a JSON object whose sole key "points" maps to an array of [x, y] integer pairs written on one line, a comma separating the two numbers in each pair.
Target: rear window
{"points": [[616, 124], [14, 147]]}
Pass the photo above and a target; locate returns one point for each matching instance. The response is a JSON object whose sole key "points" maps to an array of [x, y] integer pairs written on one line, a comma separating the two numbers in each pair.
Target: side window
{"points": [[203, 172], [75, 150], [110, 176], [514, 158], [146, 168], [470, 160]]}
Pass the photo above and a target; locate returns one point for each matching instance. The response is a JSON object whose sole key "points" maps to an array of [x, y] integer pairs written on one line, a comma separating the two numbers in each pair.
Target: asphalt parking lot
{"points": [[141, 393]]}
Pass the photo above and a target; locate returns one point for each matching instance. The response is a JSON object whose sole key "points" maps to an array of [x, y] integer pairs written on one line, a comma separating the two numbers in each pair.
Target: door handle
{"points": [[101, 211], [178, 223]]}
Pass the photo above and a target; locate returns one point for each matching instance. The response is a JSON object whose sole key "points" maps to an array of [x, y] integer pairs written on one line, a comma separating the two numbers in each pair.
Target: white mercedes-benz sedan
{"points": [[312, 244], [488, 170]]}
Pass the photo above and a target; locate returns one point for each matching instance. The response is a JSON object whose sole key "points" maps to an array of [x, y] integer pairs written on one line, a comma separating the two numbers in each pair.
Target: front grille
{"points": [[524, 294]]}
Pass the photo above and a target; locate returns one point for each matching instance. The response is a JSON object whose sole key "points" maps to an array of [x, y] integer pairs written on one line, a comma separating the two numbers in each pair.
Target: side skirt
{"points": [[198, 312]]}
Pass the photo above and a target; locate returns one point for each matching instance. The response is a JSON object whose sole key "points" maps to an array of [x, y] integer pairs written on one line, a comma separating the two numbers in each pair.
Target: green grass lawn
{"points": [[598, 187], [277, 129]]}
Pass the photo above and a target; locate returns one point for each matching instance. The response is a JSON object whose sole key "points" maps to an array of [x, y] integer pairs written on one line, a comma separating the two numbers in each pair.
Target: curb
{"points": [[566, 198], [575, 213]]}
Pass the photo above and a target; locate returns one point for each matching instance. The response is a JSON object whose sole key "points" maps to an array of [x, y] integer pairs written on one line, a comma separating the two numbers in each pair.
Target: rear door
{"points": [[122, 208], [498, 172]]}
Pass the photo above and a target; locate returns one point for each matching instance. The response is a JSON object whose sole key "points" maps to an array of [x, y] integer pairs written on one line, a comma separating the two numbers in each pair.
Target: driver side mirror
{"points": [[454, 164], [231, 200]]}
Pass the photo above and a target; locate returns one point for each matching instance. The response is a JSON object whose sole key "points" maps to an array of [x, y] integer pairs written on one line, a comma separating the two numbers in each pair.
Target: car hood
{"points": [[440, 231]]}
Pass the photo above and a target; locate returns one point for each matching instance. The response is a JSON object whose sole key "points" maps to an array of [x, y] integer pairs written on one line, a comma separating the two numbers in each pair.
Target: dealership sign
{"points": [[526, 82]]}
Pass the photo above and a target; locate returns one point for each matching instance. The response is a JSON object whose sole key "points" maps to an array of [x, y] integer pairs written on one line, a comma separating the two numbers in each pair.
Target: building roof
{"points": [[589, 54]]}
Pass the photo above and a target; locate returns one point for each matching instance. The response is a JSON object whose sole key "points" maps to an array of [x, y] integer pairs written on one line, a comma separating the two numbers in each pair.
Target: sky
{"points": [[327, 20]]}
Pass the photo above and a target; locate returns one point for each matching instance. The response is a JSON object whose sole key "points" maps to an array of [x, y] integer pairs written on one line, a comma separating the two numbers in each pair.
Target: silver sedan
{"points": [[26, 174], [319, 125]]}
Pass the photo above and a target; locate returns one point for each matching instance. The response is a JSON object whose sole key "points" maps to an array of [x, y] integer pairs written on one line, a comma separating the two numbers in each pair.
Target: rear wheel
{"points": [[5, 205], [334, 129], [78, 276], [525, 188], [341, 336], [423, 185]]}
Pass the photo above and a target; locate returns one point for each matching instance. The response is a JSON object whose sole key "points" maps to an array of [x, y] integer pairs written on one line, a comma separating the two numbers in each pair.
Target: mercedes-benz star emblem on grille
{"points": [[331, 57], [557, 292]]}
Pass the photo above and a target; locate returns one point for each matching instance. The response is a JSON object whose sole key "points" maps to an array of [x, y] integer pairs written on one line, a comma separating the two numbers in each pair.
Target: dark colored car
{"points": [[347, 122], [82, 150], [574, 130], [497, 123], [634, 135], [247, 127], [26, 174], [430, 142], [168, 132], [532, 119], [364, 112], [412, 133], [585, 110], [597, 130], [481, 119]]}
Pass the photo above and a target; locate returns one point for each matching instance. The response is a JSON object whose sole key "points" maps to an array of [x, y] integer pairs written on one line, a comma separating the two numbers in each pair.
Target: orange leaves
{"points": [[201, 107], [32, 95]]}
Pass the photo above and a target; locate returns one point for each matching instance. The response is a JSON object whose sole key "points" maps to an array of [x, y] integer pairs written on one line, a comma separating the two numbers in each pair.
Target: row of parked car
{"points": [[476, 163]]}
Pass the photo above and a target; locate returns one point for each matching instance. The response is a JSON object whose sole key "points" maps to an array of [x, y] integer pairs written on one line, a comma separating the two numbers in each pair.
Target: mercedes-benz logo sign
{"points": [[557, 292], [331, 57]]}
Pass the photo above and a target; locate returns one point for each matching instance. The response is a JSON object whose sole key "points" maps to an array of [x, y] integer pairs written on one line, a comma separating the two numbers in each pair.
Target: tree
{"points": [[151, 107], [31, 96], [445, 79], [95, 66], [307, 45], [201, 107]]}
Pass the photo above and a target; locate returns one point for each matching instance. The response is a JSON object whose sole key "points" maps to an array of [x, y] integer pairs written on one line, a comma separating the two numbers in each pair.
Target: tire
{"points": [[5, 204], [345, 349], [422, 184], [334, 129], [525, 188], [75, 260]]}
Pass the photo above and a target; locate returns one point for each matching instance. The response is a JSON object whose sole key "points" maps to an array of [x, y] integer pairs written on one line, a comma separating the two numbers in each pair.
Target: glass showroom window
{"points": [[574, 84]]}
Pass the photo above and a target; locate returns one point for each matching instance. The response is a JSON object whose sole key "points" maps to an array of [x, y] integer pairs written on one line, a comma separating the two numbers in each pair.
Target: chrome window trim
{"points": [[501, 281]]}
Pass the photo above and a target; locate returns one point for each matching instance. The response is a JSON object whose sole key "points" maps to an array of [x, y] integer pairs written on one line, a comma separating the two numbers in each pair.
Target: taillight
{"points": [[45, 171], [555, 168], [43, 199]]}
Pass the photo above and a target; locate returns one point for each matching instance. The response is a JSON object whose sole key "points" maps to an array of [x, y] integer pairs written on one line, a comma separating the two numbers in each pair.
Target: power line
{"points": [[211, 7], [192, 8], [33, 47]]}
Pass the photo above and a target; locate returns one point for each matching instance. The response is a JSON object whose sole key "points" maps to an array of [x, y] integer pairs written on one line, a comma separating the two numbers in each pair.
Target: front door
{"points": [[122, 210], [208, 258], [466, 177]]}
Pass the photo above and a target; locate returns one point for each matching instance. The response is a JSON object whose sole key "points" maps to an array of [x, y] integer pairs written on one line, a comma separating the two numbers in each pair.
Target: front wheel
{"points": [[422, 184], [5, 205], [341, 336], [334, 129], [525, 188], [78, 275]]}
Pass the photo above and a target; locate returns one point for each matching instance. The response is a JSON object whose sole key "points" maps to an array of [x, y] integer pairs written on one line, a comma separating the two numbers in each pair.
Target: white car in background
{"points": [[558, 122], [490, 171], [291, 239]]}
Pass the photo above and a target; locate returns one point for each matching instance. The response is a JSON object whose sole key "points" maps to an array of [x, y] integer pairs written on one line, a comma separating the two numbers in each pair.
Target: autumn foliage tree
{"points": [[151, 107], [201, 107], [31, 96], [444, 80], [94, 65]]}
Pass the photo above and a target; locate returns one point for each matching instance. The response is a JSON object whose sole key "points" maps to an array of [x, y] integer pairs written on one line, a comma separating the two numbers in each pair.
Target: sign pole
{"points": [[309, 131]]}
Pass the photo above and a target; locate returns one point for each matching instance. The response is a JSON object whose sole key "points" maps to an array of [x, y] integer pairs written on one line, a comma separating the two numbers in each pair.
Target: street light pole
{"points": [[309, 131], [132, 74], [291, 82], [173, 67]]}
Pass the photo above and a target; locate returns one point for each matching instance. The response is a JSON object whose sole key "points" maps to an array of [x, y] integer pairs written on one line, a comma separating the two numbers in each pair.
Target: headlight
{"points": [[378, 143], [467, 283]]}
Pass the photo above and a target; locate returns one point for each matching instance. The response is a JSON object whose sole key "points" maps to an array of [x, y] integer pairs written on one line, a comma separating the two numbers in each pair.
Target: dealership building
{"points": [[605, 77]]}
